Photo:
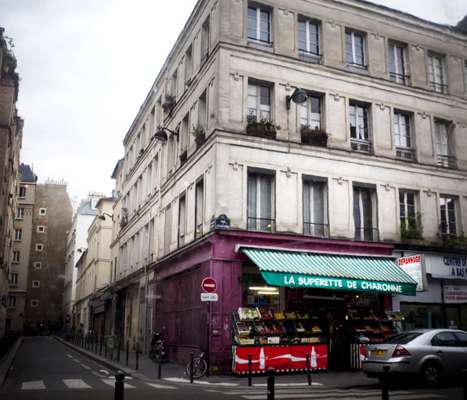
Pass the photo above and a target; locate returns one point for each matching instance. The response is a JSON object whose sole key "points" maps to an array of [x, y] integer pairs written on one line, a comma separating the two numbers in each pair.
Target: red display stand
{"points": [[283, 358]]}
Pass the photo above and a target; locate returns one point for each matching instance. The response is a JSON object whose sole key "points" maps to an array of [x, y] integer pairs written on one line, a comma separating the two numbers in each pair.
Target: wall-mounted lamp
{"points": [[162, 135], [81, 249], [299, 96], [102, 216]]}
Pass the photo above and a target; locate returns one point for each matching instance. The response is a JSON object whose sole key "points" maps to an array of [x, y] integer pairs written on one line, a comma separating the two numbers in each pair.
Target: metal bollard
{"points": [[271, 394], [127, 351], [96, 343], [191, 367], [159, 370], [137, 356], [119, 385], [101, 339], [308, 369], [464, 382], [385, 391], [105, 349], [119, 349], [249, 370]]}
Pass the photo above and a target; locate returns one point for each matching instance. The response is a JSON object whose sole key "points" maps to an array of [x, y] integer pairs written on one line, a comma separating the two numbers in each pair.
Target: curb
{"points": [[8, 359], [115, 367]]}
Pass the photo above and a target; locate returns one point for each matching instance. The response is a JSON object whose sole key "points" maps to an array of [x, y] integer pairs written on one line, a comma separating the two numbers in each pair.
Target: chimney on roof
{"points": [[462, 25]]}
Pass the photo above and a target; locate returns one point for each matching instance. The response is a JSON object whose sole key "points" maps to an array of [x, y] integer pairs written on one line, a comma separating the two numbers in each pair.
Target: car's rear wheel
{"points": [[431, 374]]}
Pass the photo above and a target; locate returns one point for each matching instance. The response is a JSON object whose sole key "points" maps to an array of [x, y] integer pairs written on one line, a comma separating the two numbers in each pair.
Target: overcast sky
{"points": [[86, 66]]}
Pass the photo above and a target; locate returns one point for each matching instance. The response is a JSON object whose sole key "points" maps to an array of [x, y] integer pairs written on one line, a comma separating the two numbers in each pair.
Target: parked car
{"points": [[431, 354]]}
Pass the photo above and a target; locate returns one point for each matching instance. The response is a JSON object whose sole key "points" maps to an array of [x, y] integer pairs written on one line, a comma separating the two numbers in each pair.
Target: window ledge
{"points": [[266, 46]]}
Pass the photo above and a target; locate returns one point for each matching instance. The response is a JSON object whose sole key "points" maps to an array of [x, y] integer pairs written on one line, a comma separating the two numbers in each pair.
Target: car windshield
{"points": [[403, 338]]}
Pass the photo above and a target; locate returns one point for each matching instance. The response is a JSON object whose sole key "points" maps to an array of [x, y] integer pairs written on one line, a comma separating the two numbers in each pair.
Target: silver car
{"points": [[428, 353]]}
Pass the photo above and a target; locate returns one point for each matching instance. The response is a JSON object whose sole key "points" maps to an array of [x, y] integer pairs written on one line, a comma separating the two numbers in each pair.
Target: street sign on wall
{"points": [[209, 285], [413, 266], [209, 297]]}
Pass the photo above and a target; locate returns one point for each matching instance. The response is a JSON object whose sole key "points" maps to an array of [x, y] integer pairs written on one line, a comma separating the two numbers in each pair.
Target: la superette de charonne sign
{"points": [[296, 280]]}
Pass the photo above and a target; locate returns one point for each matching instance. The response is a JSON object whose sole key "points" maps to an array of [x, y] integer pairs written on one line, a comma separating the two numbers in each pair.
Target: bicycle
{"points": [[200, 366]]}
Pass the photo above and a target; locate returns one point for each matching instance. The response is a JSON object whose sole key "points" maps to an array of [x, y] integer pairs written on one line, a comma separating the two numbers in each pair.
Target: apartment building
{"points": [[11, 134], [18, 276], [51, 221], [93, 302], [284, 144], [76, 243]]}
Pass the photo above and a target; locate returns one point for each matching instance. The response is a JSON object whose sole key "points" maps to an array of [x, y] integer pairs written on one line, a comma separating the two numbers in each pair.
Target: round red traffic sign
{"points": [[209, 285]]}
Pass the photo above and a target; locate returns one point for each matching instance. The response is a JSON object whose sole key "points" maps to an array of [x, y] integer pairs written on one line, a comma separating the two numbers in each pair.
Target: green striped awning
{"points": [[331, 271]]}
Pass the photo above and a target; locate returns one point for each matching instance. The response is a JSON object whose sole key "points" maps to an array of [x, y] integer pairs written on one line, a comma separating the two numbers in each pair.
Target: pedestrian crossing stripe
{"points": [[33, 385], [76, 384], [158, 386], [111, 382]]}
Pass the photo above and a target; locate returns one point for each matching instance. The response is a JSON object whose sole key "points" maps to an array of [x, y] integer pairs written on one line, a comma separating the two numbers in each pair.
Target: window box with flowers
{"points": [[200, 135], [263, 128], [315, 137], [412, 228]]}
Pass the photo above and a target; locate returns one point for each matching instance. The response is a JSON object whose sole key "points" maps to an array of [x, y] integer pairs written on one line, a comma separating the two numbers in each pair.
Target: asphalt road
{"points": [[46, 369]]}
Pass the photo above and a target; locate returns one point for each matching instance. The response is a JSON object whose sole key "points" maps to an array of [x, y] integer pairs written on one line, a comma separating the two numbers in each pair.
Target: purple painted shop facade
{"points": [[189, 325]]}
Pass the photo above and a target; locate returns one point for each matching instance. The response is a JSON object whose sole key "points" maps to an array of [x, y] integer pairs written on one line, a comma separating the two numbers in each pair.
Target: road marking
{"points": [[104, 371], [33, 385], [157, 386], [111, 382], [69, 356], [290, 384], [76, 384], [183, 380], [85, 366], [342, 395]]}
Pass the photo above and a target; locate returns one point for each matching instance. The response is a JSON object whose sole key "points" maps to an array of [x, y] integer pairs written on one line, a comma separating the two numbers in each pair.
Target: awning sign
{"points": [[319, 282], [414, 267]]}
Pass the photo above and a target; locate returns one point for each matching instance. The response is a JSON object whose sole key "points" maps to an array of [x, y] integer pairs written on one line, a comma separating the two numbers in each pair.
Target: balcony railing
{"points": [[317, 230], [309, 56], [366, 234], [399, 78], [261, 224], [446, 161], [405, 154], [363, 146], [439, 87]]}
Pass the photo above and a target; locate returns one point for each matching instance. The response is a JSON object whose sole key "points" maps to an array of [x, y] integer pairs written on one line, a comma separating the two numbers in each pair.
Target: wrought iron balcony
{"points": [[261, 224], [366, 234], [317, 230], [446, 161]]}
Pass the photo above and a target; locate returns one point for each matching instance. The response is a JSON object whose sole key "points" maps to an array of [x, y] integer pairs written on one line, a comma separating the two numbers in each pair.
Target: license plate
{"points": [[378, 353]]}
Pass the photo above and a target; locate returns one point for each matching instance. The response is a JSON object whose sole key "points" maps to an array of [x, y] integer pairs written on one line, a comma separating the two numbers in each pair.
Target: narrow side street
{"points": [[44, 368]]}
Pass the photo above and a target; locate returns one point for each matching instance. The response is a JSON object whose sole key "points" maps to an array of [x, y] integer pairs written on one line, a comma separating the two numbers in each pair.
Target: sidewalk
{"points": [[148, 371]]}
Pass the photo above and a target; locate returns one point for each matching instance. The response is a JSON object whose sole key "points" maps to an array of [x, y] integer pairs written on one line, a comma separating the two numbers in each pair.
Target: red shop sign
{"points": [[209, 285]]}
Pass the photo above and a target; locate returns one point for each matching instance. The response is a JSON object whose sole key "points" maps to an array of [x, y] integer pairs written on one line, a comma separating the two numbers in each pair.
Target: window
{"points": [[40, 228], [11, 301], [174, 84], [445, 156], [13, 279], [205, 37], [259, 102], [315, 208], [22, 192], [461, 339], [409, 221], [34, 303], [447, 211], [465, 76], [397, 72], [36, 284], [42, 211], [184, 134], [202, 111], [199, 208], [181, 220], [16, 256], [39, 247], [310, 113], [359, 128], [308, 39], [188, 65], [261, 201], [259, 25], [365, 214], [436, 74], [20, 213], [355, 49], [445, 339], [18, 235], [402, 136], [37, 265]]}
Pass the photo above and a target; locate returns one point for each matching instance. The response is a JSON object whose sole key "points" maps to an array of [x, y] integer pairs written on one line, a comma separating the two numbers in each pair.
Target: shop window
{"points": [[365, 214], [410, 219], [403, 136], [444, 145], [199, 208], [421, 316], [315, 208], [359, 127], [259, 25], [181, 220], [261, 202], [448, 211]]}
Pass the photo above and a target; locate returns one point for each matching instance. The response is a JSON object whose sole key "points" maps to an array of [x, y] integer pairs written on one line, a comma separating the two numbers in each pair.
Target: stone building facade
{"points": [[328, 126], [11, 126]]}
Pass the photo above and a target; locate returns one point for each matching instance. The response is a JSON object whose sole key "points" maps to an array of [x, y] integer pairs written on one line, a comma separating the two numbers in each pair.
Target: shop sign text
{"points": [[448, 267]]}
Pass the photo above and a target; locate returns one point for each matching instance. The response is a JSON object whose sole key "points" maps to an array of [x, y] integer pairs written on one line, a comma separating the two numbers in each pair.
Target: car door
{"points": [[444, 346], [462, 346]]}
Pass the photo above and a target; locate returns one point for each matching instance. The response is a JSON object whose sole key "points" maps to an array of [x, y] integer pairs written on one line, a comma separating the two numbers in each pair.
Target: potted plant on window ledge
{"points": [[263, 128], [412, 231], [315, 137], [200, 135]]}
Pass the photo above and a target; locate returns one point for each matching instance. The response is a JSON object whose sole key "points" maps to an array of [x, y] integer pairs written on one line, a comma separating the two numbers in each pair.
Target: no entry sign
{"points": [[209, 285]]}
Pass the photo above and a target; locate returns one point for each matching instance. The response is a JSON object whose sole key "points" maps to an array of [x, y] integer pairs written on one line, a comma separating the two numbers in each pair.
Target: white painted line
{"points": [[157, 386], [204, 383], [104, 371], [126, 377], [33, 385], [85, 366], [76, 384], [111, 382], [290, 384], [69, 356]]}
